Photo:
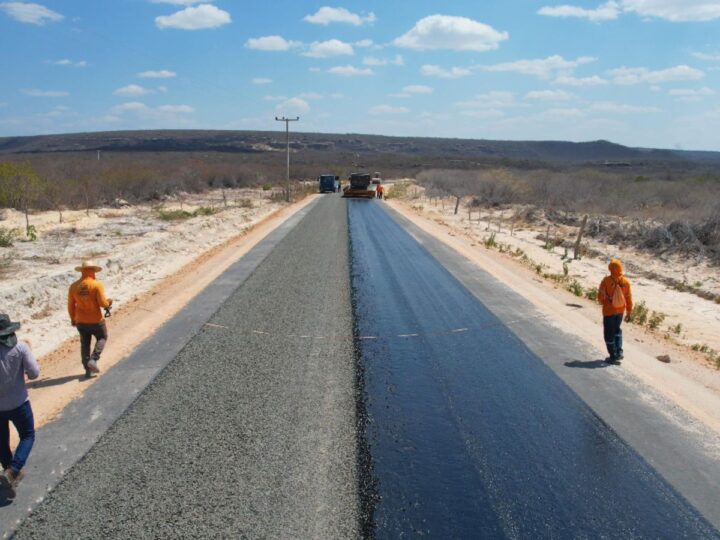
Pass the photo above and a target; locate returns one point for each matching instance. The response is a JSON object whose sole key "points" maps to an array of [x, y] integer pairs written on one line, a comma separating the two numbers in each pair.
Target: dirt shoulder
{"points": [[688, 380], [145, 303]]}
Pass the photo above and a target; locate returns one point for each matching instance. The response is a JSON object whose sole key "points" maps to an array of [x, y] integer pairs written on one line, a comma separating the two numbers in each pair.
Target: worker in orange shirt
{"points": [[86, 298], [615, 295], [380, 190]]}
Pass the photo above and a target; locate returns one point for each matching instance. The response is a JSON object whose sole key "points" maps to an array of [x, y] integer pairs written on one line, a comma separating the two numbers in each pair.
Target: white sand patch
{"points": [[133, 245]]}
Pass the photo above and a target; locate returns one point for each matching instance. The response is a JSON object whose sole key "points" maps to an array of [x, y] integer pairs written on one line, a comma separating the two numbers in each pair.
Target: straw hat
{"points": [[88, 265]]}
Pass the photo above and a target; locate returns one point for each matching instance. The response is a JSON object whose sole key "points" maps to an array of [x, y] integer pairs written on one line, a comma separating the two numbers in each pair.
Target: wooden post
{"points": [[547, 237], [457, 203], [579, 238]]}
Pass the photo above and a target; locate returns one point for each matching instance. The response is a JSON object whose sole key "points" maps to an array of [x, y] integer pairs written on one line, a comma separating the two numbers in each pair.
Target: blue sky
{"points": [[637, 72]]}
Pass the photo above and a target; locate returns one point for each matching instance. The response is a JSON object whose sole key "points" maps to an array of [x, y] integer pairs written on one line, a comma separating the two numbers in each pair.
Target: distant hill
{"points": [[595, 152]]}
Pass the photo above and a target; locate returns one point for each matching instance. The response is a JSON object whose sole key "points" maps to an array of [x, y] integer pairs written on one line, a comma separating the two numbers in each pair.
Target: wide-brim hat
{"points": [[88, 265], [7, 327]]}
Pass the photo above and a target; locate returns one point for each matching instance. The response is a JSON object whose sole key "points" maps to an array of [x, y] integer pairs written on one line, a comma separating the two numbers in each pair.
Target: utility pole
{"points": [[287, 144]]}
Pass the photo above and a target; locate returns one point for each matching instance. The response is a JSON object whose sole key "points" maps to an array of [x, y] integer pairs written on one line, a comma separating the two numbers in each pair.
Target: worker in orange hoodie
{"points": [[615, 295], [86, 298]]}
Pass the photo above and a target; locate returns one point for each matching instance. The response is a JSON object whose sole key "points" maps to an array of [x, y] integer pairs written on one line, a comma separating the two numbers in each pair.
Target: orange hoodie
{"points": [[85, 298], [607, 289]]}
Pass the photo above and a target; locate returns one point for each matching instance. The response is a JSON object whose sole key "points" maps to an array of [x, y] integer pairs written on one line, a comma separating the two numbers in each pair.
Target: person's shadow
{"points": [[589, 364], [56, 382]]}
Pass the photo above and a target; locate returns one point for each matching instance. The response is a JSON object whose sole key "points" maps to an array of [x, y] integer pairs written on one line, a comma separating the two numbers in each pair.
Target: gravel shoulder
{"points": [[250, 431]]}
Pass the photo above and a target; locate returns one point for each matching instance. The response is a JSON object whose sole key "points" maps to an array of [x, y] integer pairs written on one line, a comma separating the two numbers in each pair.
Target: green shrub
{"points": [[398, 191], [656, 320], [205, 211], [489, 241], [639, 314], [591, 294], [7, 236], [171, 215], [267, 186], [576, 288]]}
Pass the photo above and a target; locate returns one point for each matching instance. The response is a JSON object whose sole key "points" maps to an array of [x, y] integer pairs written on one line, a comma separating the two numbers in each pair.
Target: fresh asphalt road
{"points": [[465, 432], [471, 434]]}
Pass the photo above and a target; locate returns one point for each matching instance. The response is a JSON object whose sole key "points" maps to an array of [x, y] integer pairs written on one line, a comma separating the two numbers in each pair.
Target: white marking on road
{"points": [[216, 326]]}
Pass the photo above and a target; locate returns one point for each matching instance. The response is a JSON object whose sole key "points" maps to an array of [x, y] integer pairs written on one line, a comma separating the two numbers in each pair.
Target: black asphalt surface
{"points": [[250, 431], [470, 433]]}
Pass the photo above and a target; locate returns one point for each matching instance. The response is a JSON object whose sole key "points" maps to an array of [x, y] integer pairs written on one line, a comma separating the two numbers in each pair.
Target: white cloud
{"points": [[690, 95], [34, 92], [176, 109], [629, 76], [67, 62], [271, 43], [675, 10], [705, 56], [562, 113], [294, 106], [372, 61], [201, 17], [132, 90], [550, 95], [30, 13], [490, 100], [569, 80], [483, 114], [328, 49], [161, 74], [326, 15], [275, 98], [388, 109], [544, 68], [364, 43], [417, 89], [180, 2], [430, 70], [310, 95], [350, 71], [692, 92], [670, 10], [448, 32], [131, 106], [619, 108], [261, 80], [606, 12]]}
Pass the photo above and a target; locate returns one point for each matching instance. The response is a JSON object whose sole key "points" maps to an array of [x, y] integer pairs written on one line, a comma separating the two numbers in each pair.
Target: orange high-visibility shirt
{"points": [[85, 299]]}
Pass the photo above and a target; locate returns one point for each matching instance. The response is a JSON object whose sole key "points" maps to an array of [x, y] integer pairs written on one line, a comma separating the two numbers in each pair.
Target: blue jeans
{"points": [[613, 334], [24, 422]]}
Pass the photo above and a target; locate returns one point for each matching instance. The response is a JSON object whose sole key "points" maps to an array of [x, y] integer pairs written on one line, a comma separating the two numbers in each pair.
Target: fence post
{"points": [[579, 237]]}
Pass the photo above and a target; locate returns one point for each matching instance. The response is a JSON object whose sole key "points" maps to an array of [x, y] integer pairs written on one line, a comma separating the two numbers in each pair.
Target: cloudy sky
{"points": [[637, 72]]}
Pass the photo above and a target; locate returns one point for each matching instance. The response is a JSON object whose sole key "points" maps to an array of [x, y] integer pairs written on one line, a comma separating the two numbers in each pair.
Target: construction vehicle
{"points": [[328, 183], [360, 187]]}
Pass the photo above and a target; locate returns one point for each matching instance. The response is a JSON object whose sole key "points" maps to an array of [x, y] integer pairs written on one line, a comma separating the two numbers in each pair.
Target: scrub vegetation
{"points": [[663, 212]]}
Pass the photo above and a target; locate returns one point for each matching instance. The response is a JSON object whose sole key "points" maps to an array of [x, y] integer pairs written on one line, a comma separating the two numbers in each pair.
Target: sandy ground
{"points": [[152, 268], [689, 380]]}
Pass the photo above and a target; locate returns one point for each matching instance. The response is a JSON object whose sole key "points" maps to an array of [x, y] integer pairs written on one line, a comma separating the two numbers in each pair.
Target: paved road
{"points": [[244, 434], [465, 431], [471, 434]]}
